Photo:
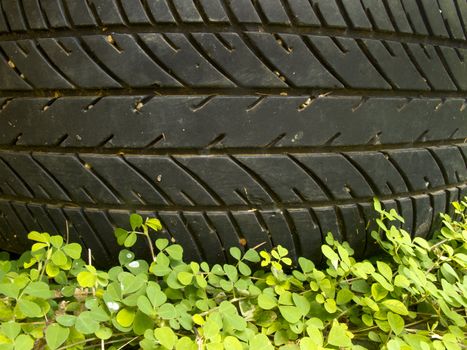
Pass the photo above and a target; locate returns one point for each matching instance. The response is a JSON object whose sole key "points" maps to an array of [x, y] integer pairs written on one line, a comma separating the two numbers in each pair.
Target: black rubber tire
{"points": [[236, 122]]}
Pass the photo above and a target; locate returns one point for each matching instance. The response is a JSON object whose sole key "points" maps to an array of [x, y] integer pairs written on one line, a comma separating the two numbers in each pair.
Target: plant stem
{"points": [[151, 247], [128, 342], [439, 243], [77, 343], [345, 311]]}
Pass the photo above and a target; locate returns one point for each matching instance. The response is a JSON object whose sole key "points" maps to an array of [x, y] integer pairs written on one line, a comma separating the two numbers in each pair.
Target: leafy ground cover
{"points": [[412, 296]]}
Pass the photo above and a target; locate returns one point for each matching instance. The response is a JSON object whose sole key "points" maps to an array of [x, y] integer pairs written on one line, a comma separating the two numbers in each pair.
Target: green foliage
{"points": [[413, 296]]}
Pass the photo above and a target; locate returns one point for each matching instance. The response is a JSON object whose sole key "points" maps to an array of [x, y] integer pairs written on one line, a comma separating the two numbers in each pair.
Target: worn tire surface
{"points": [[235, 122]]}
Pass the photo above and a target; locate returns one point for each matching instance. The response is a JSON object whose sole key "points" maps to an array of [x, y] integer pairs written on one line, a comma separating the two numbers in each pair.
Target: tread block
{"points": [[227, 49], [329, 12], [253, 230], [456, 60], [377, 13], [369, 216], [308, 233], [179, 231], [384, 176], [357, 14], [179, 185], [328, 222], [419, 169], [462, 192], [329, 172], [12, 11], [160, 11], [3, 22], [274, 12], [55, 14], [452, 162], [414, 16], [128, 61], [423, 215], [33, 12], [226, 229], [43, 219], [30, 219], [406, 210], [10, 183], [214, 11], [135, 12], [245, 187], [452, 195], [431, 66], [434, 18], [11, 79], [303, 13], [77, 179], [285, 177], [452, 18], [80, 13], [36, 68], [354, 226], [282, 232], [187, 11], [129, 185], [62, 224], [438, 200], [179, 55], [211, 245], [462, 6], [15, 229], [395, 64], [244, 11], [107, 11], [399, 17], [294, 60], [32, 175], [89, 237], [67, 53], [350, 63]]}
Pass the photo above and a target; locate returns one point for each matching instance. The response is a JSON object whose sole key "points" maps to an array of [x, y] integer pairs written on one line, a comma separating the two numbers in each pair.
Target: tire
{"points": [[235, 122]]}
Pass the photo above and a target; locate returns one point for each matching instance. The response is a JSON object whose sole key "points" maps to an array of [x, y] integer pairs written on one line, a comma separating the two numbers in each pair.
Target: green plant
{"points": [[413, 296]]}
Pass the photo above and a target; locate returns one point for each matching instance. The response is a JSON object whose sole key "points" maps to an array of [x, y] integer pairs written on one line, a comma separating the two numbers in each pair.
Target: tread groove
{"points": [[15, 68], [446, 67], [90, 170], [257, 178], [47, 59], [3, 13], [321, 59], [198, 179], [192, 40], [312, 175], [158, 190], [24, 183], [101, 64], [98, 238], [141, 44], [362, 172], [375, 63], [51, 176], [399, 170], [417, 66], [439, 163]]}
